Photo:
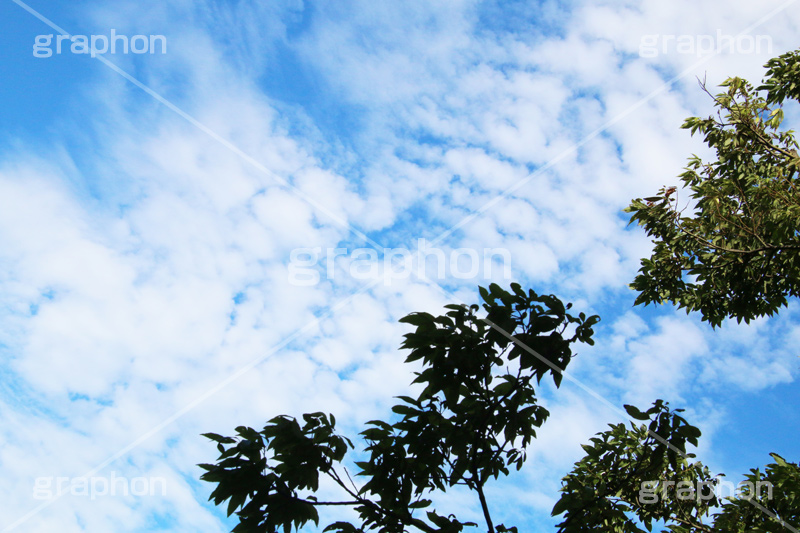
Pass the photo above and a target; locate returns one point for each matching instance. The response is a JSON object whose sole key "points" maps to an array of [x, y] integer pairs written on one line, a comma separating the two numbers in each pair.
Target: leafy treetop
{"points": [[737, 254]]}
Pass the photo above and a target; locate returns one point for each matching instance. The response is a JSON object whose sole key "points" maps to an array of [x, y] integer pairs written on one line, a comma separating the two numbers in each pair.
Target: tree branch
{"points": [[485, 507]]}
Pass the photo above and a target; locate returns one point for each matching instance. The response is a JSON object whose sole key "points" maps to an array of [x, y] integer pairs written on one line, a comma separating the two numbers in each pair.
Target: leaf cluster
{"points": [[767, 503], [268, 477], [604, 488], [472, 421], [635, 477], [736, 254]]}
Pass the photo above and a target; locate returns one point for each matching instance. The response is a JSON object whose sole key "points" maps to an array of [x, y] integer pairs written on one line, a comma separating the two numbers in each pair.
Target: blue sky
{"points": [[149, 229]]}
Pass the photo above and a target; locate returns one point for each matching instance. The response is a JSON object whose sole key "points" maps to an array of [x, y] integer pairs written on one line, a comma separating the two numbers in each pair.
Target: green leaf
{"points": [[421, 504], [635, 413], [218, 438]]}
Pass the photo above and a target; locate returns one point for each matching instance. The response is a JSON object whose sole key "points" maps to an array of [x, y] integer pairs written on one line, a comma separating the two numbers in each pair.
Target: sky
{"points": [[215, 230]]}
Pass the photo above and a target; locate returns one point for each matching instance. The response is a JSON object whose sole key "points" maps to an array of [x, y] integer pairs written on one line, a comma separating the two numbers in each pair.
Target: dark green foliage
{"points": [[603, 489], [632, 478], [773, 509], [278, 493], [473, 419], [737, 253]]}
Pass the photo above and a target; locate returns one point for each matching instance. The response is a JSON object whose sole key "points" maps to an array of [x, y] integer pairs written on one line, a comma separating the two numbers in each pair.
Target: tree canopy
{"points": [[633, 478], [732, 249]]}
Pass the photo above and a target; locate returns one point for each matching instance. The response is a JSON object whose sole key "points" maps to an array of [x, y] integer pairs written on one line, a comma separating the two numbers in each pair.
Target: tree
{"points": [[734, 256], [736, 253], [472, 421], [632, 478]]}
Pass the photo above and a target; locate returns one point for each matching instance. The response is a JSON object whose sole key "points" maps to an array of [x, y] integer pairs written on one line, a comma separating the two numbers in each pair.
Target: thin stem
{"points": [[484, 506], [360, 500], [692, 524]]}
